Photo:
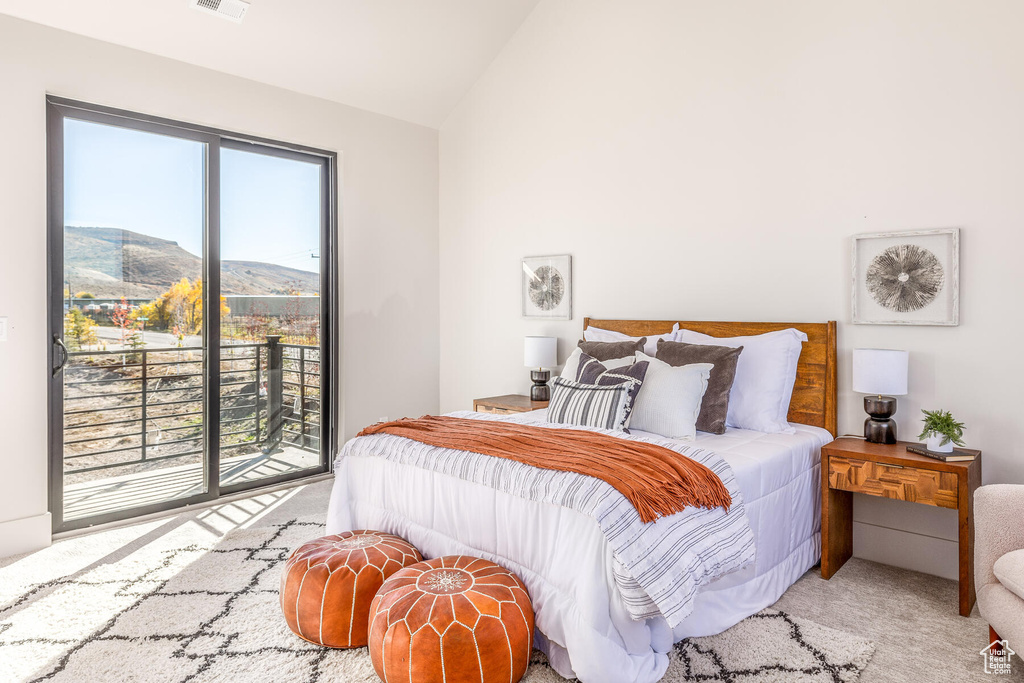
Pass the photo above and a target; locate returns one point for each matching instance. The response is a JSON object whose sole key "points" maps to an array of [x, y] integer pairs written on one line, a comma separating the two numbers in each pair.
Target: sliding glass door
{"points": [[271, 221], [133, 407], [191, 274]]}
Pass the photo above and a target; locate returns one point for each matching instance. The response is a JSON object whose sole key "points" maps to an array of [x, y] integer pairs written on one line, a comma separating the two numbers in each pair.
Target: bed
{"points": [[584, 620]]}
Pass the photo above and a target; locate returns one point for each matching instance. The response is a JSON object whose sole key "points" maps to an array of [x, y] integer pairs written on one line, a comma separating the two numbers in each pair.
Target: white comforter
{"points": [[575, 578]]}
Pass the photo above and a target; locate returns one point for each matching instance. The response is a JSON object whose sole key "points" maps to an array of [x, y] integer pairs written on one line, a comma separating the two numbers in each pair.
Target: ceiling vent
{"points": [[225, 9]]}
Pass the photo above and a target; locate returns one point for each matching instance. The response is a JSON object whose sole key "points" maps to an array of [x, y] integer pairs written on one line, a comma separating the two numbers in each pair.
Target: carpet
{"points": [[191, 611]]}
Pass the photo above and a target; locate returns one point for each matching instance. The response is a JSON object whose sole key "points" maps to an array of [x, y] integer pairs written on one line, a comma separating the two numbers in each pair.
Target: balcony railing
{"points": [[132, 409]]}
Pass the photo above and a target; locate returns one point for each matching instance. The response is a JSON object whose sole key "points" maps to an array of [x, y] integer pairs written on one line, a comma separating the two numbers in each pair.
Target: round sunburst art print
{"points": [[547, 288], [905, 278], [547, 284]]}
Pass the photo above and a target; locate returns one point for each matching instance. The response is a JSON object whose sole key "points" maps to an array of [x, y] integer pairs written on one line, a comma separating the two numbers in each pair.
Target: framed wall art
{"points": [[547, 287], [907, 278]]}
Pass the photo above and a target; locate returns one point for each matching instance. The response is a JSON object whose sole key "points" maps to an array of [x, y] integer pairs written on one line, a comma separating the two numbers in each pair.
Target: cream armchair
{"points": [[998, 530]]}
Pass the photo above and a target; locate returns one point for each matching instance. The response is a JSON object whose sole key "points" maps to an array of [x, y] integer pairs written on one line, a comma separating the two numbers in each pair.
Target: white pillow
{"points": [[765, 374], [572, 364], [669, 400], [650, 348]]}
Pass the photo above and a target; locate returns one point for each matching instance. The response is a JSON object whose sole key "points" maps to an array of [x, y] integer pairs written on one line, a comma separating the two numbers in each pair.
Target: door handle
{"points": [[64, 354]]}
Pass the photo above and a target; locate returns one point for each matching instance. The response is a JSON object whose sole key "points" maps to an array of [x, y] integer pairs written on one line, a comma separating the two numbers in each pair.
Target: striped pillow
{"points": [[593, 371], [588, 405]]}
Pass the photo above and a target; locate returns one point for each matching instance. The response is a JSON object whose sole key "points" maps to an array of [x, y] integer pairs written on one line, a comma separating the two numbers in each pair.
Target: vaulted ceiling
{"points": [[411, 59]]}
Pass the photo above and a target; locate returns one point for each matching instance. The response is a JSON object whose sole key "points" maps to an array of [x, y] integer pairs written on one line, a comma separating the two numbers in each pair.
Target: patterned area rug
{"points": [[187, 611]]}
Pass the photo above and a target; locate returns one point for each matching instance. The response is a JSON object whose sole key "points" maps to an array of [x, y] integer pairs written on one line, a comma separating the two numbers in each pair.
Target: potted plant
{"points": [[941, 431]]}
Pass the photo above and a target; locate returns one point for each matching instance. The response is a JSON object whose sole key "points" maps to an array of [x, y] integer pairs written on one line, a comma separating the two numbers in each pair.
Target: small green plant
{"points": [[79, 330], [135, 343], [942, 422]]}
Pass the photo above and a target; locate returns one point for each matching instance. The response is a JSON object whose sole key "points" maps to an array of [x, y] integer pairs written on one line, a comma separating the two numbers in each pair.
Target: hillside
{"points": [[110, 262]]}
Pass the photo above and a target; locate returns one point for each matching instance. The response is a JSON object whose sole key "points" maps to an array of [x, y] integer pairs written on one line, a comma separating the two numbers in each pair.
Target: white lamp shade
{"points": [[540, 352], [880, 371]]}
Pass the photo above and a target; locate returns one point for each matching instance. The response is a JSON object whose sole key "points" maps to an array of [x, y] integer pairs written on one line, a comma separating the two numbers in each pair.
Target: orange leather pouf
{"points": [[453, 619], [328, 584]]}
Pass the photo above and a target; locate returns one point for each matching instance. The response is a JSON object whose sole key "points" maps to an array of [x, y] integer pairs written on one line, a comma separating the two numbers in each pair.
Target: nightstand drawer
{"points": [[892, 481]]}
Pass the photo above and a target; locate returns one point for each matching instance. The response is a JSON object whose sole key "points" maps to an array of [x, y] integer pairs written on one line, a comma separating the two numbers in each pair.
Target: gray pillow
{"points": [[587, 405], [715, 405], [632, 377], [611, 350]]}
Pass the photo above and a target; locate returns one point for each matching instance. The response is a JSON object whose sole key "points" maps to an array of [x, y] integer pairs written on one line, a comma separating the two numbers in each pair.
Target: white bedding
{"points": [[565, 561]]}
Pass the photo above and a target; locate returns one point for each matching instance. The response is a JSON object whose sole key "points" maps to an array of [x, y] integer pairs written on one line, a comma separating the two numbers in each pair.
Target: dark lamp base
{"points": [[879, 427], [540, 390]]}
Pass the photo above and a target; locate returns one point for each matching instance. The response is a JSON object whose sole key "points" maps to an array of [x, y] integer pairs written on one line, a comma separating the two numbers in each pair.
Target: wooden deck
{"points": [[101, 496]]}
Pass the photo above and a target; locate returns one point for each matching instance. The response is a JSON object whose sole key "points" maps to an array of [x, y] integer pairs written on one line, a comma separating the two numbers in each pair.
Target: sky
{"points": [[153, 184]]}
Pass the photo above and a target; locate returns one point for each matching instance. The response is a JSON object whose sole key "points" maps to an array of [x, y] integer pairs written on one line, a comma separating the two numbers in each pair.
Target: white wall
{"points": [[710, 160], [389, 195]]}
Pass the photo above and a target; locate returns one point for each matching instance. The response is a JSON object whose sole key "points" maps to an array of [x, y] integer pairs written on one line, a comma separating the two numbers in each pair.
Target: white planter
{"points": [[933, 441]]}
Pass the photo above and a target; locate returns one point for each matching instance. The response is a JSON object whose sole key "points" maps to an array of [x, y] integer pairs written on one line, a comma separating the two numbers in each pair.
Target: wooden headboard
{"points": [[814, 394]]}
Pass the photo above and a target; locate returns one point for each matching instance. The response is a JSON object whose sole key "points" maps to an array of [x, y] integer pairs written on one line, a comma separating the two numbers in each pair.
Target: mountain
{"points": [[111, 263]]}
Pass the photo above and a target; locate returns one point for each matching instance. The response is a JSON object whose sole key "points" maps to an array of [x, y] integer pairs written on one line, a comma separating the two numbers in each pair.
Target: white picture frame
{"points": [[907, 278], [547, 287]]}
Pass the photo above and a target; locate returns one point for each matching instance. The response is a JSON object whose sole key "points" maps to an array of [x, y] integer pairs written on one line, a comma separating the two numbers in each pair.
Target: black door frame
{"points": [[57, 110]]}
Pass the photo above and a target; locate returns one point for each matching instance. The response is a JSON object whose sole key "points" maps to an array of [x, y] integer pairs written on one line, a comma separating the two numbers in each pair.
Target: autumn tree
{"points": [[180, 307], [123, 320], [153, 313], [79, 330]]}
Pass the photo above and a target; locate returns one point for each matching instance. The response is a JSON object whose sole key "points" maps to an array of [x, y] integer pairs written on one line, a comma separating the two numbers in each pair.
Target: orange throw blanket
{"points": [[656, 480]]}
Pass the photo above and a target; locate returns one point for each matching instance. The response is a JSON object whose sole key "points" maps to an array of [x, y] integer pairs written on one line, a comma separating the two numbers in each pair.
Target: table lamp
{"points": [[882, 373], [540, 353]]}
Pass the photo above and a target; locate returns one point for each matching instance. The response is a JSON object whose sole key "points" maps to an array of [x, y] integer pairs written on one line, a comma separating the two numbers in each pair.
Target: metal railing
{"points": [[133, 408], [302, 365]]}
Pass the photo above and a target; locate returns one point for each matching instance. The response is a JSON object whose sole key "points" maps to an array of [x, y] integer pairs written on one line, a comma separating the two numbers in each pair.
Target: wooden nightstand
{"points": [[508, 404], [850, 465]]}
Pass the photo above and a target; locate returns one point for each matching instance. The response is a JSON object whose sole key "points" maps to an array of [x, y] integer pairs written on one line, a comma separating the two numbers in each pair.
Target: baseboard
{"points": [[24, 535], [917, 552]]}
